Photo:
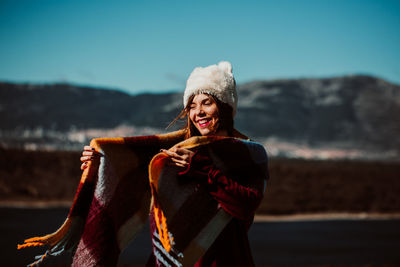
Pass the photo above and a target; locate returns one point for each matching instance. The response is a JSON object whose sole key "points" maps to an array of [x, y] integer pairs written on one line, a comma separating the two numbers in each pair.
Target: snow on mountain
{"points": [[347, 114]]}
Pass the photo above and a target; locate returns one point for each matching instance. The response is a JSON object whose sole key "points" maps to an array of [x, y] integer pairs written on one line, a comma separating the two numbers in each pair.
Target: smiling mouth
{"points": [[203, 122]]}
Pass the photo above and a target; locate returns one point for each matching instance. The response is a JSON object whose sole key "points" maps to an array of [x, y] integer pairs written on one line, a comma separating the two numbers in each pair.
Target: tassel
{"points": [[51, 239], [166, 237]]}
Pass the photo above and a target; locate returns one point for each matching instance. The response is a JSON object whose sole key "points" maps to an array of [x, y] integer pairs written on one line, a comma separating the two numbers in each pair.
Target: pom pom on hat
{"points": [[225, 66], [216, 80]]}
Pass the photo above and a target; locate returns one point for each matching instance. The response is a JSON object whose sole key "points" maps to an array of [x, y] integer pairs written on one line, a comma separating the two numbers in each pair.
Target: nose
{"points": [[199, 110]]}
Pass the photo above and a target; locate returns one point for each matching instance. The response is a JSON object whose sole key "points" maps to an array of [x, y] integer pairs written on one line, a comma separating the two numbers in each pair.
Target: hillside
{"points": [[350, 112]]}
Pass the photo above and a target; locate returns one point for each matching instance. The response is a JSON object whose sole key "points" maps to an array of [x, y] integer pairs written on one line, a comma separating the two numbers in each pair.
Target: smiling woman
{"points": [[204, 183]]}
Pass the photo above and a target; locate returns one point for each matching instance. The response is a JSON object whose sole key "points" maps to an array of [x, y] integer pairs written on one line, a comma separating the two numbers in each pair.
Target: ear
{"points": [[225, 66]]}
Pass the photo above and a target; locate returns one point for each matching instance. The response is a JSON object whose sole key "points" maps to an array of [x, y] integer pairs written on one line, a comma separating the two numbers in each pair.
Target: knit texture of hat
{"points": [[216, 80]]}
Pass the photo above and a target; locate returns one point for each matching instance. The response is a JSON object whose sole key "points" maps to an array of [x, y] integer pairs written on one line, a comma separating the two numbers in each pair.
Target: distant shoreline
{"points": [[29, 204], [318, 216], [327, 216]]}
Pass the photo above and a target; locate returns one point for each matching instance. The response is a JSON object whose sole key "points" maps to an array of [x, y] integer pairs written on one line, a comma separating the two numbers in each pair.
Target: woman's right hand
{"points": [[180, 156], [88, 154]]}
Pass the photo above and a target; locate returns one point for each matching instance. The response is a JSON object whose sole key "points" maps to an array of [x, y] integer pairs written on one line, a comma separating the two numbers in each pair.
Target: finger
{"points": [[87, 153], [91, 153], [171, 154], [89, 148], [84, 166], [86, 158], [165, 151], [182, 151], [180, 165], [177, 150], [186, 154], [186, 157], [181, 162]]}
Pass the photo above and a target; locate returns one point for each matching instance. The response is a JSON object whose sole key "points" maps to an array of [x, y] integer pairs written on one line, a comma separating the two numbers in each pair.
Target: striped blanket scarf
{"points": [[115, 195]]}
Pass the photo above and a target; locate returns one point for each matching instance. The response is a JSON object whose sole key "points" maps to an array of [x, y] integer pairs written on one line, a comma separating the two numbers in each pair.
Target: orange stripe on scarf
{"points": [[155, 167]]}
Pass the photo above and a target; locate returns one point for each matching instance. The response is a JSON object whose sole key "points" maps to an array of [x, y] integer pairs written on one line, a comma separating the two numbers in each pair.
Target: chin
{"points": [[206, 131], [210, 130]]}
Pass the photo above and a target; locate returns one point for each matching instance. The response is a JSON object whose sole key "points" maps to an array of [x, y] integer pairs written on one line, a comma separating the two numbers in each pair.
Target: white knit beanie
{"points": [[216, 80]]}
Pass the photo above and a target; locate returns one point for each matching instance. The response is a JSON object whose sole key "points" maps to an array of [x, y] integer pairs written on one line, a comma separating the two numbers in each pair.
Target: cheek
{"points": [[213, 113], [191, 116]]}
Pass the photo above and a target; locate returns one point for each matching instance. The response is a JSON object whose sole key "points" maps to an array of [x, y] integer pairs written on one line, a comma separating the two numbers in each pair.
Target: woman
{"points": [[210, 101], [203, 190]]}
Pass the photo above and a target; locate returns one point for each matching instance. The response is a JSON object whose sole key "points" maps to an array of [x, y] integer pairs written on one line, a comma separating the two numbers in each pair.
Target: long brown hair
{"points": [[225, 115]]}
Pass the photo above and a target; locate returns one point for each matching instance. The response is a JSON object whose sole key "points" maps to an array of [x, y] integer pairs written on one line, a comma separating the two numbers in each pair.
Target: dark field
{"points": [[295, 186]]}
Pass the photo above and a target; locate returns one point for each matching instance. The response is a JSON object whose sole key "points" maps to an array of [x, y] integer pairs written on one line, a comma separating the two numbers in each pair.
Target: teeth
{"points": [[203, 121]]}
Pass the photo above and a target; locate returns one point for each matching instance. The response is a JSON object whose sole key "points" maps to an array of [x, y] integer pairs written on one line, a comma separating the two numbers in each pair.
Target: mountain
{"points": [[358, 109], [62, 107], [345, 112]]}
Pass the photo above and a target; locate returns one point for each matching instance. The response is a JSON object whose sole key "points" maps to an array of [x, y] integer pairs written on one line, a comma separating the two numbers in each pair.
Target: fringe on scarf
{"points": [[67, 236]]}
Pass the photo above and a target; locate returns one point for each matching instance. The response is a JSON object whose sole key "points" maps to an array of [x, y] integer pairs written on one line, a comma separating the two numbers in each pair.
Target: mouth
{"points": [[204, 122]]}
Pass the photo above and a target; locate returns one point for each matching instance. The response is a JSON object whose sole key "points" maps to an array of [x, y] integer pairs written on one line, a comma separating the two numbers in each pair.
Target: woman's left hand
{"points": [[180, 156]]}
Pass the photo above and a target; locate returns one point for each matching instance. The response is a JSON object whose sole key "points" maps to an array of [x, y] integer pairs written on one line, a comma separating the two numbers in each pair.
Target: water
{"points": [[298, 243]]}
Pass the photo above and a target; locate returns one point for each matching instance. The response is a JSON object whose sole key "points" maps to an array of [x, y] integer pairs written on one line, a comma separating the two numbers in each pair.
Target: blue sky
{"points": [[153, 46]]}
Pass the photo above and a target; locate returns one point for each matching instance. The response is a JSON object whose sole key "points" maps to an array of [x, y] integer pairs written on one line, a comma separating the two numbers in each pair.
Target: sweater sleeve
{"points": [[237, 199], [238, 195]]}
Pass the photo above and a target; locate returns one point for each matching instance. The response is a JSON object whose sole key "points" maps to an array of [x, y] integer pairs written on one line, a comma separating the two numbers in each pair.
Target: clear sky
{"points": [[154, 45]]}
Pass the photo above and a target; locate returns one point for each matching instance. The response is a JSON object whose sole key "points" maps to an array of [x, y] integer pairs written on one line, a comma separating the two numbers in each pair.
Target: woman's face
{"points": [[203, 112]]}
